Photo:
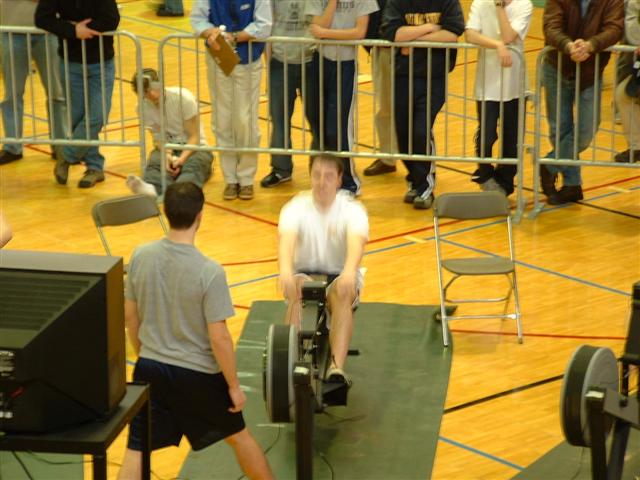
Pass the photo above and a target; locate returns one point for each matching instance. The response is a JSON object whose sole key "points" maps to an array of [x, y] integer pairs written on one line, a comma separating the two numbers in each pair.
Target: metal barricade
{"points": [[26, 125], [452, 148], [595, 149]]}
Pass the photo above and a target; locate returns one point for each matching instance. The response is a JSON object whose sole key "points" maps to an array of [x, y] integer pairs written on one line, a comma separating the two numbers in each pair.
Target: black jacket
{"points": [[446, 13], [59, 17]]}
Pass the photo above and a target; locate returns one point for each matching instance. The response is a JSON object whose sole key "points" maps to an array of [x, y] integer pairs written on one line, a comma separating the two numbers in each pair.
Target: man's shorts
{"points": [[331, 278], [184, 402]]}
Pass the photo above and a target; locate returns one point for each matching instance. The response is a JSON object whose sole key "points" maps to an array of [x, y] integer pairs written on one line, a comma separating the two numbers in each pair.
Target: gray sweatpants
{"points": [[196, 169]]}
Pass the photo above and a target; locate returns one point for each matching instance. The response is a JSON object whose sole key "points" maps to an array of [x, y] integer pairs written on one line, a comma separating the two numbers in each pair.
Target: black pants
{"points": [[485, 140], [421, 174]]}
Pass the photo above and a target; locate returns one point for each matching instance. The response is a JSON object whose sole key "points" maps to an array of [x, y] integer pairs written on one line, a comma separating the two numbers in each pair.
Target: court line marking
{"points": [[480, 452], [504, 393]]}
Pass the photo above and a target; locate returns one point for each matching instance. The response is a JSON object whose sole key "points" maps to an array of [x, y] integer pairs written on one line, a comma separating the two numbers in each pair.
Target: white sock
{"points": [[139, 186]]}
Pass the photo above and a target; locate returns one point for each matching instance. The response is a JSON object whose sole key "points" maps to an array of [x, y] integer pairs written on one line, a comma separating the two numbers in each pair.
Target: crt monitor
{"points": [[62, 343]]}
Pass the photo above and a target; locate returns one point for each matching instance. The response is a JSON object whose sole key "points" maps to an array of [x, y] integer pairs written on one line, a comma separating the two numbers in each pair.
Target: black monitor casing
{"points": [[62, 341]]}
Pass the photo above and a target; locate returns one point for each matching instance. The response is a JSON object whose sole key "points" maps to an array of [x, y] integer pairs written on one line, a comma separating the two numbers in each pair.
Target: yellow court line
{"points": [[414, 239]]}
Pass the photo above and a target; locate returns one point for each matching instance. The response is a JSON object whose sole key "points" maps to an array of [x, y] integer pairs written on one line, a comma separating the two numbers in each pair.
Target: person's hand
{"points": [[212, 34], [346, 284], [580, 50], [173, 167], [504, 55], [238, 398], [83, 32], [289, 287], [317, 31]]}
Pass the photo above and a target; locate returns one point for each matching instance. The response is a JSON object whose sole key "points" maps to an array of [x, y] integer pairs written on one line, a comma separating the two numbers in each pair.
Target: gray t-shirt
{"points": [[178, 292], [290, 20], [345, 16]]}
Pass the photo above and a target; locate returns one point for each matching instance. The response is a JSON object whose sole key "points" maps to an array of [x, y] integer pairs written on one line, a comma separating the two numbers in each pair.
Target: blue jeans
{"points": [[95, 117], [588, 113], [281, 105], [16, 73]]}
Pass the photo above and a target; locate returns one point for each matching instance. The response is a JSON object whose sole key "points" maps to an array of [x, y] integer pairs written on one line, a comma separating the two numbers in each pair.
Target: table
{"points": [[93, 438]]}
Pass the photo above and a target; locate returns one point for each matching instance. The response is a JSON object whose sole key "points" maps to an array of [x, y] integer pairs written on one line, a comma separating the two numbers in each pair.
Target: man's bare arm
{"points": [[132, 321]]}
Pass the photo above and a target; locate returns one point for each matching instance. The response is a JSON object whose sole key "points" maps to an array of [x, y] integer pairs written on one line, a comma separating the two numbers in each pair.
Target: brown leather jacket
{"points": [[603, 26]]}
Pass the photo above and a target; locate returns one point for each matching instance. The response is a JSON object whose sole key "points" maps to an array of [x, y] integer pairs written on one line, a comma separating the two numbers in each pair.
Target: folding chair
{"points": [[475, 206], [124, 211]]}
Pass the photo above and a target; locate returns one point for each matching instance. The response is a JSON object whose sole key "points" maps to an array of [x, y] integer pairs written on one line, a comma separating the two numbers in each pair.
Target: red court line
{"points": [[242, 214], [242, 307], [615, 182], [544, 335]]}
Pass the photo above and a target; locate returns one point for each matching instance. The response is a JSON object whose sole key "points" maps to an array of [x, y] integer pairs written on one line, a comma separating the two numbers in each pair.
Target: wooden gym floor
{"points": [[576, 263]]}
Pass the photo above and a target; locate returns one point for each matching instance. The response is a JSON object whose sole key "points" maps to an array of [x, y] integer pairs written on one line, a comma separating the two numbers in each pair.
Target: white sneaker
{"points": [[337, 375], [139, 186]]}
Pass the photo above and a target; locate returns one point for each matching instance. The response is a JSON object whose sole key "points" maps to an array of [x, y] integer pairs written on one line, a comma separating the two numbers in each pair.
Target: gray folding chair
{"points": [[475, 206], [124, 211]]}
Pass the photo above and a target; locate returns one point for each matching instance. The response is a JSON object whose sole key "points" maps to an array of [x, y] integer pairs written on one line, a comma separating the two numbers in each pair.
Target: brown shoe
{"points": [[548, 181], [246, 192], [378, 167], [566, 194], [61, 170], [231, 191], [90, 178]]}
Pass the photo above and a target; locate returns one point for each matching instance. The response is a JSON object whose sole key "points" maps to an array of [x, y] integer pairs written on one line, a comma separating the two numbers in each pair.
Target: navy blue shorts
{"points": [[184, 402]]}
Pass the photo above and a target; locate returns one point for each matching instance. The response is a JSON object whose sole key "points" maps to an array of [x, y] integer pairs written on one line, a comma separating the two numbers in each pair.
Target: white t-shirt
{"points": [[322, 235], [483, 19], [345, 16], [179, 106]]}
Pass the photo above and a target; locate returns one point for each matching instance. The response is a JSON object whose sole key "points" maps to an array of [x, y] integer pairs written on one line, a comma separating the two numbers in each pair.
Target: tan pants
{"points": [[629, 109], [234, 121], [385, 126]]}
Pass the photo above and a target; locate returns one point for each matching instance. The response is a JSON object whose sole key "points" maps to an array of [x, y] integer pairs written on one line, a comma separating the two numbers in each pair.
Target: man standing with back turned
{"points": [[176, 305]]}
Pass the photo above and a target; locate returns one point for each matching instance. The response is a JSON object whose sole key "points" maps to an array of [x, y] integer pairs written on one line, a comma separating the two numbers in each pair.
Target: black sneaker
{"points": [[8, 157], [566, 194], [163, 12], [274, 179]]}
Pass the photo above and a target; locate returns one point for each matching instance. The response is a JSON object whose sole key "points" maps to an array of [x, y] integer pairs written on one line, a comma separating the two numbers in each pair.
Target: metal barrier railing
{"points": [[454, 149], [576, 148], [53, 70]]}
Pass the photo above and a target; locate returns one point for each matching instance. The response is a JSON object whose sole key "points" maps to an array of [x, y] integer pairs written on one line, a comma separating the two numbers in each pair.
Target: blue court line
{"points": [[545, 270], [467, 229], [253, 280], [480, 452]]}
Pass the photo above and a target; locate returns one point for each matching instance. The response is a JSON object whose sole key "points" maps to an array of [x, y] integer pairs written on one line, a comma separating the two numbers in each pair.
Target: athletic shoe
{"points": [[337, 375], [492, 186], [410, 196], [8, 157], [566, 194], [274, 179], [378, 167], [140, 187], [231, 191], [246, 192], [421, 203], [61, 170], [90, 178], [163, 12]]}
